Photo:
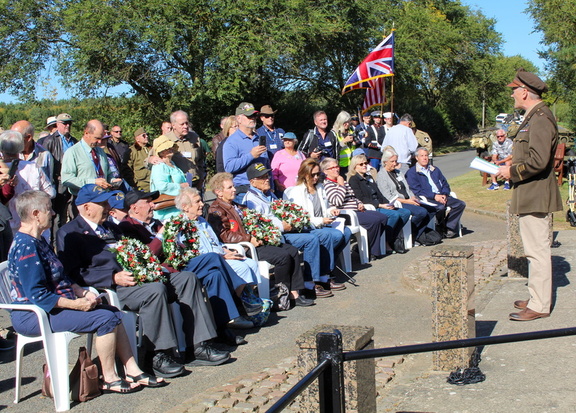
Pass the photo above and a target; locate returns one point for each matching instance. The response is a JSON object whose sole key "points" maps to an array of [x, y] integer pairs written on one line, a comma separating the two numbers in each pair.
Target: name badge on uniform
{"points": [[328, 144], [186, 154]]}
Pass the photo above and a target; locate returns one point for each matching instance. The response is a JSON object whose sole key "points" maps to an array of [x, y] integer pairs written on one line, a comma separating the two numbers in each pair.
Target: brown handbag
{"points": [[84, 381], [164, 201]]}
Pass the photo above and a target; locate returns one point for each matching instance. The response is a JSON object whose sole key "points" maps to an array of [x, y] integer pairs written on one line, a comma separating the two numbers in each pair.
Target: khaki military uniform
{"points": [[424, 140], [535, 195]]}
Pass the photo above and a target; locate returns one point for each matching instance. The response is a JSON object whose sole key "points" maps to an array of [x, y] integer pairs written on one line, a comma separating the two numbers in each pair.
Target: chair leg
{"points": [[19, 354], [264, 284], [363, 247], [407, 233], [56, 350]]}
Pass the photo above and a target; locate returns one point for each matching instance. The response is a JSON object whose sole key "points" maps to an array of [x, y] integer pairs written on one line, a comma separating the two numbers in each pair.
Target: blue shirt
{"points": [[274, 140], [237, 156], [66, 143]]}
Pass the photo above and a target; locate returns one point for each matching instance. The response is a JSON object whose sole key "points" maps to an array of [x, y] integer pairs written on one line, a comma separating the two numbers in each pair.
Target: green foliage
{"points": [[206, 56]]}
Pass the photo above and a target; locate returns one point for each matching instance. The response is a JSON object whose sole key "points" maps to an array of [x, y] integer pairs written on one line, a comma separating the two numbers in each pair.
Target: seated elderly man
{"points": [[317, 247], [84, 249], [427, 180], [219, 279], [501, 156]]}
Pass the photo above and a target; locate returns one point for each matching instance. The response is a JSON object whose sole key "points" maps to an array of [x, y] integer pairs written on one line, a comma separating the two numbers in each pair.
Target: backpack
{"points": [[429, 237]]}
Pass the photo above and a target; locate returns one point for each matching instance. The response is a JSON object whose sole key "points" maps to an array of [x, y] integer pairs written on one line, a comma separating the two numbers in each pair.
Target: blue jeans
{"points": [[332, 242], [397, 218], [309, 244]]}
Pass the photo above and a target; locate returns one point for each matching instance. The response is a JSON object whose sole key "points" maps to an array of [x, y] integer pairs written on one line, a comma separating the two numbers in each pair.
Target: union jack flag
{"points": [[378, 63], [375, 94]]}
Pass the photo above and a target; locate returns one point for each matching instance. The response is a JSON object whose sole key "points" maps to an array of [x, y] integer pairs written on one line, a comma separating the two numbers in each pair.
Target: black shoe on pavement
{"points": [[302, 301], [227, 337], [165, 366], [206, 355]]}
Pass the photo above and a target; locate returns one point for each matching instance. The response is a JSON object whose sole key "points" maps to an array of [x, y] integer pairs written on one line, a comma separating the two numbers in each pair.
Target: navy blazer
{"points": [[85, 256], [418, 182]]}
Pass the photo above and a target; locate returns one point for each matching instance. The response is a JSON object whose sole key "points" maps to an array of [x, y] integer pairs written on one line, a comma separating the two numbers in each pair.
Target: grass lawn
{"points": [[469, 188]]}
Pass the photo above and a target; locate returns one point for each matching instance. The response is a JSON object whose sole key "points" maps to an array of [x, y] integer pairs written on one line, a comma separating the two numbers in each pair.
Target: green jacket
{"points": [[532, 170]]}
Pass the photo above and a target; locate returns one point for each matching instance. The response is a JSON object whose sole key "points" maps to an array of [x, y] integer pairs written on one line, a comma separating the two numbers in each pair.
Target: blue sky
{"points": [[516, 27]]}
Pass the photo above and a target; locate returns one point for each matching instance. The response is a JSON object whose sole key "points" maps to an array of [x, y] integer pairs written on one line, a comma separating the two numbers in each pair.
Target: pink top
{"points": [[285, 167]]}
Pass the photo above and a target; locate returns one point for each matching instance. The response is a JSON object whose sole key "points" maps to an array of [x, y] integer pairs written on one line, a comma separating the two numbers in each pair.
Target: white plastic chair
{"points": [[361, 236], [263, 266], [128, 320], [55, 346]]}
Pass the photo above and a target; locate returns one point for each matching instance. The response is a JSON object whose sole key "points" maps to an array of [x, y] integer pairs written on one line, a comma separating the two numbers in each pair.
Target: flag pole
{"points": [[392, 80]]}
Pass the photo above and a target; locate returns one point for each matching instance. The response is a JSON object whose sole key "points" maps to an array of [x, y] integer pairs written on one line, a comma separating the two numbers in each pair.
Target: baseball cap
{"points": [[135, 195], [245, 109], [64, 117], [256, 170], [117, 200], [93, 193]]}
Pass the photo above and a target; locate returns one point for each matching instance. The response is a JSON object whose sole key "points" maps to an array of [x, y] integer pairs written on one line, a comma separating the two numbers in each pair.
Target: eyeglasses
{"points": [[333, 167], [362, 164], [268, 116], [116, 131], [500, 136]]}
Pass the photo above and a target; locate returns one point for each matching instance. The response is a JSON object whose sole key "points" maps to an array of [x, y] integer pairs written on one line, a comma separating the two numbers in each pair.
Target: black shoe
{"points": [[450, 234], [229, 338], [6, 345], [165, 366], [206, 355], [302, 301]]}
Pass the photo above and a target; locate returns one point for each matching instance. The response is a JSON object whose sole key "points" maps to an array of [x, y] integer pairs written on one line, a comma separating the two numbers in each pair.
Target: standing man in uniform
{"points": [[535, 192]]}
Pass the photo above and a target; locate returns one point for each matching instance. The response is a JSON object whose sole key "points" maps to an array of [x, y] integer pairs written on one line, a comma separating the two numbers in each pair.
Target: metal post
{"points": [[331, 381]]}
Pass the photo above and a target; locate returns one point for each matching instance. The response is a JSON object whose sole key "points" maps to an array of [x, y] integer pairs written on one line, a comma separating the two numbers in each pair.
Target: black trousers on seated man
{"points": [[448, 215]]}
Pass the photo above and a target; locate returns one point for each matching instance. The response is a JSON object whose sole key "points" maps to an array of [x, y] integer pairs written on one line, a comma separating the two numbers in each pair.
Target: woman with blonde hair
{"points": [[345, 136]]}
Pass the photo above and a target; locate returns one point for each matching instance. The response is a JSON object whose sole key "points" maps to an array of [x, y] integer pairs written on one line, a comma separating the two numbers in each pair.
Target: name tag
{"points": [[273, 146], [186, 154], [328, 144]]}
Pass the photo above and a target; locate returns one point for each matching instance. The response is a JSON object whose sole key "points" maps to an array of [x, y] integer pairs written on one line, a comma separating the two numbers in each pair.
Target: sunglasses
{"points": [[116, 131], [362, 164], [316, 174], [500, 136], [268, 116], [254, 116], [66, 123]]}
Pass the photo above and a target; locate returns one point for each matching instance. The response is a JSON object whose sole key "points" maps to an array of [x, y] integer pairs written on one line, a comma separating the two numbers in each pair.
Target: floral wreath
{"points": [[137, 258], [291, 213], [179, 253], [261, 227]]}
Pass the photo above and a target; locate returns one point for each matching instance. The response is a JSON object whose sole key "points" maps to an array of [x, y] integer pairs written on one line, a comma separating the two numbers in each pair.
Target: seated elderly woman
{"points": [[189, 202], [310, 195], [38, 278], [166, 177], [341, 195], [367, 191], [392, 184], [224, 217]]}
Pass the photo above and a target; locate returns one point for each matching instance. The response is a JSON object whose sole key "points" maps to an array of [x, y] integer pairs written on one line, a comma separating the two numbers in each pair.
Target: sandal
{"points": [[146, 380], [123, 387]]}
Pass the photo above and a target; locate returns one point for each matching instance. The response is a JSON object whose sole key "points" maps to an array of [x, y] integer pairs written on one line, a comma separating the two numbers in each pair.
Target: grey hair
{"points": [[173, 115], [327, 161], [11, 142], [356, 159], [183, 199], [341, 119], [387, 153], [420, 149], [217, 181], [29, 201], [406, 118]]}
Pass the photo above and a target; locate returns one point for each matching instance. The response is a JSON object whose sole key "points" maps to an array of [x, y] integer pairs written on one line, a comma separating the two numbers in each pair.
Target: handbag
{"points": [[164, 201], [84, 381]]}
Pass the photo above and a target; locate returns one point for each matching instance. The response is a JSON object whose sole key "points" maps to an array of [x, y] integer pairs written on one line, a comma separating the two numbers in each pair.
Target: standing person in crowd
{"points": [[341, 196], [229, 126], [39, 278], [374, 140], [402, 139], [27, 175], [189, 155], [86, 163], [362, 129], [166, 177], [165, 128], [393, 186], [345, 136], [242, 149], [388, 121], [366, 190], [135, 167], [219, 137], [317, 248], [48, 130], [33, 152], [320, 142], [6, 234], [501, 155], [286, 163], [274, 136], [535, 192], [120, 145], [428, 181], [57, 144], [224, 217], [424, 140]]}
